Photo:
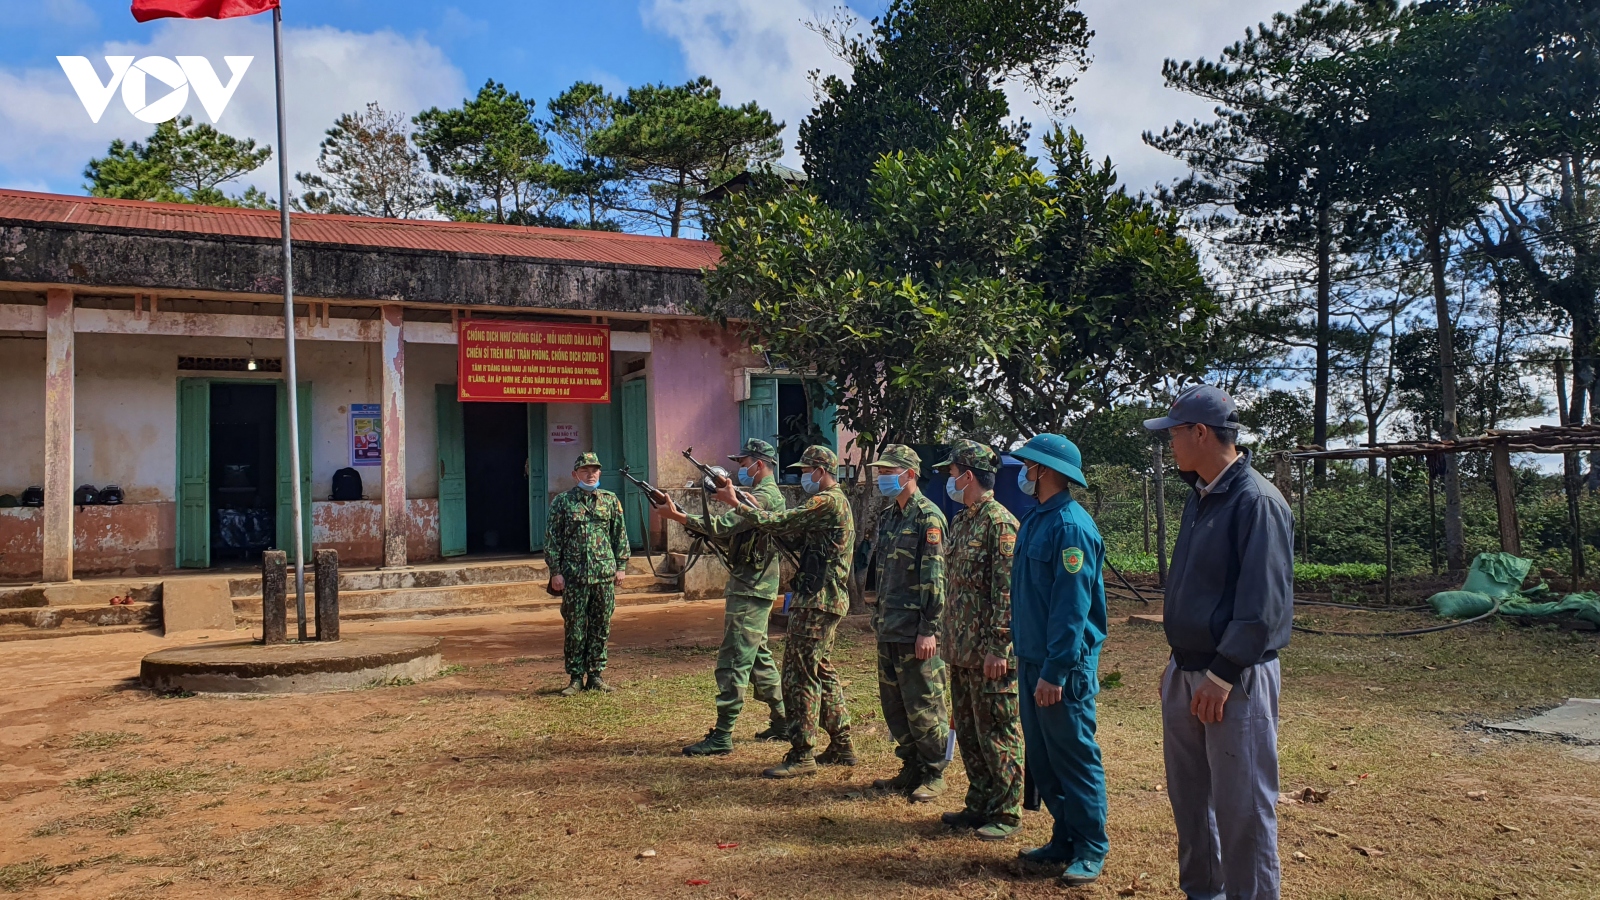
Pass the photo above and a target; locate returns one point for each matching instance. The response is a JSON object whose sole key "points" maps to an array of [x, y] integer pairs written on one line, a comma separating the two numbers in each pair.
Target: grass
{"points": [[104, 740], [1306, 575], [492, 787]]}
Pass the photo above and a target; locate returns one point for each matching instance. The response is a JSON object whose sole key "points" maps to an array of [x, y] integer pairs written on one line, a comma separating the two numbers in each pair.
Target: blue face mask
{"points": [[889, 485], [1027, 487], [744, 477], [808, 484], [584, 485], [953, 492]]}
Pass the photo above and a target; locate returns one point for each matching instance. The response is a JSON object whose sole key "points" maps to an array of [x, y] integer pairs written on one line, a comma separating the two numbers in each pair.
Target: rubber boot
{"points": [[910, 776], [929, 787], [572, 689], [840, 751], [794, 765], [717, 742]]}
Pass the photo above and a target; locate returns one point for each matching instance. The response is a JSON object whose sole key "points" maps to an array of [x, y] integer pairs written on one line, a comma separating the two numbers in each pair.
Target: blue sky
{"points": [[409, 55]]}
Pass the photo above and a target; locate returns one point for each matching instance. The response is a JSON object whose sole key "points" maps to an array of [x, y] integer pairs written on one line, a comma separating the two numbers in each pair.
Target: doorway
{"points": [[496, 443], [244, 470]]}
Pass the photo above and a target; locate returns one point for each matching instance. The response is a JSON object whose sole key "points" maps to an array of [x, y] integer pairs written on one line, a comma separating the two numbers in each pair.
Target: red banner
{"points": [[533, 362], [148, 10]]}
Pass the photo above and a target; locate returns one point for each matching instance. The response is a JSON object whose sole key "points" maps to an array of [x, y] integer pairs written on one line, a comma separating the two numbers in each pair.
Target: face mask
{"points": [[889, 485], [809, 484], [1027, 487], [744, 477], [954, 493], [584, 485]]}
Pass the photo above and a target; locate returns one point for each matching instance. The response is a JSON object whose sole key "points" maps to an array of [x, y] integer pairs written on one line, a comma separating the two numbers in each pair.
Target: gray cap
{"points": [[1199, 405]]}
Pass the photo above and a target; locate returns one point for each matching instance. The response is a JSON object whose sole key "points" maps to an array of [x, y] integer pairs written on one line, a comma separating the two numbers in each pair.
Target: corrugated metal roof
{"points": [[559, 244]]}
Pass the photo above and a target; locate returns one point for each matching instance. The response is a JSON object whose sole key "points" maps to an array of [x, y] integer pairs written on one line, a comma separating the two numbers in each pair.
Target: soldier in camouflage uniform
{"points": [[587, 549], [977, 644], [751, 589], [911, 676], [811, 689]]}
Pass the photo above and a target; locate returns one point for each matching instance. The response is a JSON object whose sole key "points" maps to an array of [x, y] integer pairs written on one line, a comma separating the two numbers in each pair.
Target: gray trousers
{"points": [[1222, 779]]}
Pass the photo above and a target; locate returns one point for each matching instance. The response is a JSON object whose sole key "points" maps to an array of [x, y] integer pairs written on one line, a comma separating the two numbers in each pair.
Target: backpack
{"points": [[347, 484]]}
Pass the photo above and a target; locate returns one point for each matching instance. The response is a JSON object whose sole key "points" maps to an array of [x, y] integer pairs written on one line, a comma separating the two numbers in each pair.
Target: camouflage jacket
{"points": [[977, 622], [587, 540], [910, 552], [752, 557], [824, 524]]}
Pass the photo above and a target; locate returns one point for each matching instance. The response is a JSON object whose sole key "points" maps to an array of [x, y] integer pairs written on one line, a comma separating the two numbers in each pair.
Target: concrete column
{"points": [[394, 438], [58, 433]]}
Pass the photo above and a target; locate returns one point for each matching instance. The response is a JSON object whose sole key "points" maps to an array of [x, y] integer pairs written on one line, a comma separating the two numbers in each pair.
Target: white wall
{"points": [[21, 413]]}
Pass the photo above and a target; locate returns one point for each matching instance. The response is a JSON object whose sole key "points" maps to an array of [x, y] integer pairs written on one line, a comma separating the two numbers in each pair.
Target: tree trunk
{"points": [[677, 205], [1454, 543], [1319, 412]]}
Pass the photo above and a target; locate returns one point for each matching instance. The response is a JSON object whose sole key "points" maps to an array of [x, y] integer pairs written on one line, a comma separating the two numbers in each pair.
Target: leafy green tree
{"points": [[926, 68], [589, 181], [367, 167], [677, 142], [180, 163], [493, 156]]}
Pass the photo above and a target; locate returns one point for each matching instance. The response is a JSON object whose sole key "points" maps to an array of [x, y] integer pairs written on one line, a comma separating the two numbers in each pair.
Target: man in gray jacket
{"points": [[1229, 607]]}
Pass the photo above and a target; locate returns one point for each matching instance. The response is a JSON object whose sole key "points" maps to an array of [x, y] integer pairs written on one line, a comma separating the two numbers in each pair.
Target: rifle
{"points": [[655, 495], [716, 477]]}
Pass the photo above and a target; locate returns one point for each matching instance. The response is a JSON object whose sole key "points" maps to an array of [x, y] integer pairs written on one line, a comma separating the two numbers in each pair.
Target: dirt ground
{"points": [[484, 784]]}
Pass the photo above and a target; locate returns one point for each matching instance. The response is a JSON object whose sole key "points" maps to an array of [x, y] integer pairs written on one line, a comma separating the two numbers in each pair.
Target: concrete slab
{"points": [[197, 604], [1145, 620], [1576, 719], [248, 667]]}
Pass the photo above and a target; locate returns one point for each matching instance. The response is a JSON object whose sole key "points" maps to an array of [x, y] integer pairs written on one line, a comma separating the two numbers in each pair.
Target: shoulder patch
{"points": [[934, 535], [1008, 544], [1072, 560]]}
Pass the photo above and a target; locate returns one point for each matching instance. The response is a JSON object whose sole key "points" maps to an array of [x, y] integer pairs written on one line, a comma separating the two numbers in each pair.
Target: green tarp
{"points": [[1499, 576]]}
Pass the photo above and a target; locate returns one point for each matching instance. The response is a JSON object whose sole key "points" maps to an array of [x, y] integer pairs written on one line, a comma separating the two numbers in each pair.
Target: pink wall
{"points": [[691, 370], [129, 539]]}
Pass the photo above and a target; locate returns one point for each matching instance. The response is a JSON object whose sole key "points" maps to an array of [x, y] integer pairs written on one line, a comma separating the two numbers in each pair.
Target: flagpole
{"points": [[288, 330]]}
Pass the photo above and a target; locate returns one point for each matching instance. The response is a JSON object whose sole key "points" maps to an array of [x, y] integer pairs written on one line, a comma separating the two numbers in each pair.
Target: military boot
{"points": [[910, 776], [929, 787], [572, 689], [596, 683], [998, 830], [840, 752], [963, 819], [776, 730], [794, 765], [717, 742]]}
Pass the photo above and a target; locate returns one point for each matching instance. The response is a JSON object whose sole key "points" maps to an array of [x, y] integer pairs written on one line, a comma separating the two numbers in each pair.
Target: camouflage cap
{"points": [[899, 456], [973, 455], [756, 448], [586, 459], [817, 456]]}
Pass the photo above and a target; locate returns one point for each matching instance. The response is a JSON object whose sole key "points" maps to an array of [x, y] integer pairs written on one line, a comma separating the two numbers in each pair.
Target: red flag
{"points": [[145, 10]]}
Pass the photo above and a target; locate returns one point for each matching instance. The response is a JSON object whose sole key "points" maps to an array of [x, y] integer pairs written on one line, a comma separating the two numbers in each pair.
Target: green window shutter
{"points": [[758, 416], [607, 438], [451, 436], [285, 519], [538, 478], [636, 456], [825, 418], [194, 473]]}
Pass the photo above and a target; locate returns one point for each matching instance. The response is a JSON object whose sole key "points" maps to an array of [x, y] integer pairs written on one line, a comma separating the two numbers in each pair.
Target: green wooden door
{"points": [[194, 473], [452, 472], [538, 478], [285, 518], [758, 416], [636, 456]]}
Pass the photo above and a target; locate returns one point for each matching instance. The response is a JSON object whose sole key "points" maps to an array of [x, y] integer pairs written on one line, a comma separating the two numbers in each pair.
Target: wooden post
{"points": [[59, 415], [325, 564], [1282, 475], [1433, 519], [1145, 481], [1388, 530], [393, 424], [1505, 499], [1157, 464], [274, 596], [1305, 527]]}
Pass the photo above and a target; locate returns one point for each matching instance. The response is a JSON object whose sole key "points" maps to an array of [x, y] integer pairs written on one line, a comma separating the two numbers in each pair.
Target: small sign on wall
{"points": [[366, 434], [564, 434]]}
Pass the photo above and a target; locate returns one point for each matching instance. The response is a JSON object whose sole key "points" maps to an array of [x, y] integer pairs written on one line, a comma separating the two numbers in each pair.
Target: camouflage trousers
{"points": [[914, 705], [745, 661], [989, 732], [811, 689], [586, 609]]}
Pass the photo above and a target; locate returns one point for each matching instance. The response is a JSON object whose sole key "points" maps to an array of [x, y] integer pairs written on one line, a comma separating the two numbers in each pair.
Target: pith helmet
{"points": [[1054, 451]]}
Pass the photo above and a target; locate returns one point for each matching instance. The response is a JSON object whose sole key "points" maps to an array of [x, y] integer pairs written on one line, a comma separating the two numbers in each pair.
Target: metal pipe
{"points": [[1157, 464], [1388, 532], [289, 370]]}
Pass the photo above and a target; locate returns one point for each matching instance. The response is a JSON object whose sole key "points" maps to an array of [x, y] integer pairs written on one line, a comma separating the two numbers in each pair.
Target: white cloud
{"points": [[46, 137], [759, 49]]}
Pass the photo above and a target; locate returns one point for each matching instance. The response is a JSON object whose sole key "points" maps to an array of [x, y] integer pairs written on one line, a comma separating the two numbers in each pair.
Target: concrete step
{"points": [[252, 621], [79, 593], [10, 633], [508, 594], [433, 575], [49, 618]]}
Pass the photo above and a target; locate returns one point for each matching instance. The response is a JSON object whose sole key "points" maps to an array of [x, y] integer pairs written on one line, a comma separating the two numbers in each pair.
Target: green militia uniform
{"points": [[977, 622], [744, 658], [911, 590], [811, 689], [587, 545]]}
